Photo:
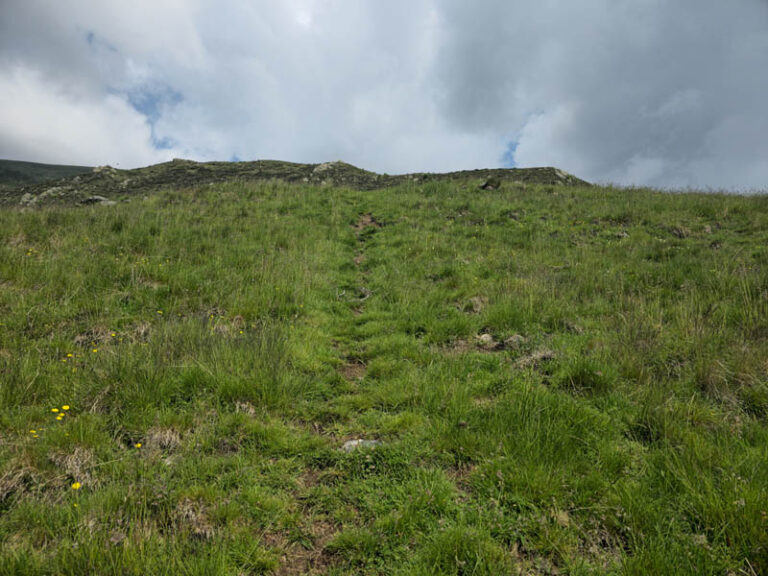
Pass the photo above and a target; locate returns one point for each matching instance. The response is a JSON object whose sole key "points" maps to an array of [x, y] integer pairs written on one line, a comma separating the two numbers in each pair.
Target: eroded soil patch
{"points": [[353, 370], [364, 222]]}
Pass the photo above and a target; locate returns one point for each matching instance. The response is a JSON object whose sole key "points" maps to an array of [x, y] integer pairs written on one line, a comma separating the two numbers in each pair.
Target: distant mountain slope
{"points": [[112, 183], [15, 172]]}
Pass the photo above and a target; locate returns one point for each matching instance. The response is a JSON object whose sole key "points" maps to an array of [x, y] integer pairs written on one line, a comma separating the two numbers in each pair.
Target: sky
{"points": [[663, 93]]}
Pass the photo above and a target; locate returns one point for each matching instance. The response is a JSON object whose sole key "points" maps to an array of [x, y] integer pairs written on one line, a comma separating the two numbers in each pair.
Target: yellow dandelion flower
{"points": [[60, 417], [35, 436], [69, 355], [75, 504], [138, 444], [76, 486], [95, 350], [113, 334], [33, 431], [54, 409], [65, 407]]}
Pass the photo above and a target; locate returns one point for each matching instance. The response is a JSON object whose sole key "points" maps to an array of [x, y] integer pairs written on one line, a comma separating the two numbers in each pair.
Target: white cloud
{"points": [[42, 122], [659, 92]]}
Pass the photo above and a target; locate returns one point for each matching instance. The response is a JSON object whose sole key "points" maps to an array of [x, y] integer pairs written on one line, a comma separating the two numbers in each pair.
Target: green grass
{"points": [[241, 333]]}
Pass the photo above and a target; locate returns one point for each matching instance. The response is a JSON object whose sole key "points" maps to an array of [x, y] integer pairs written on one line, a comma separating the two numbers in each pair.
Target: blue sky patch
{"points": [[508, 159], [162, 143], [151, 101]]}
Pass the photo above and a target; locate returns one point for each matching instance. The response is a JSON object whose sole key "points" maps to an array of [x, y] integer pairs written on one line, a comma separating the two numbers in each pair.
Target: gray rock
{"points": [[28, 199], [320, 168], [492, 183], [486, 342], [352, 445], [99, 200]]}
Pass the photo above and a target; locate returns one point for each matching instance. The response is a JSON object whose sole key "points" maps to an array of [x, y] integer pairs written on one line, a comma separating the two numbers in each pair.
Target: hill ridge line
{"points": [[109, 181]]}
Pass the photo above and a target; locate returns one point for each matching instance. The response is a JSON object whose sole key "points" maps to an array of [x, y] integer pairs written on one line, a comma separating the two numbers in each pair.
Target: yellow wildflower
{"points": [[33, 431], [138, 444], [54, 409], [76, 486], [65, 407]]}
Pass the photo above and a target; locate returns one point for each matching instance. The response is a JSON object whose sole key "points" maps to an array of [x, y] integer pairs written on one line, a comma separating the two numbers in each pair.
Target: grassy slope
{"points": [[241, 333], [14, 172]]}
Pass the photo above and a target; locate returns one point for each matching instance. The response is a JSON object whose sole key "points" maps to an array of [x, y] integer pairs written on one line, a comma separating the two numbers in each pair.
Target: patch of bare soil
{"points": [[14, 480], [483, 401], [461, 478], [77, 464], [485, 343], [297, 559], [458, 347], [366, 221], [245, 408], [167, 439], [352, 370], [95, 336], [535, 359], [193, 515]]}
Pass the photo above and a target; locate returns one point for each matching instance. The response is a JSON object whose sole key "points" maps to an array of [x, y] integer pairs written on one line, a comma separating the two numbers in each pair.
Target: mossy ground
{"points": [[216, 346]]}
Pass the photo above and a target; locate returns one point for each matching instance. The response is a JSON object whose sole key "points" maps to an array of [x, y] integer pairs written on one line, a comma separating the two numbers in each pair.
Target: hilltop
{"points": [[114, 184]]}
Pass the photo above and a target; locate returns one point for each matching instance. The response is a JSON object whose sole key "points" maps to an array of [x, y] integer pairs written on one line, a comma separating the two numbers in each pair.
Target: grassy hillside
{"points": [[113, 184], [14, 172], [560, 381]]}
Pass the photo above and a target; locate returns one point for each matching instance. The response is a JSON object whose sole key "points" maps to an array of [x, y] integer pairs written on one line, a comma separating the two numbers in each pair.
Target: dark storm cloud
{"points": [[654, 92]]}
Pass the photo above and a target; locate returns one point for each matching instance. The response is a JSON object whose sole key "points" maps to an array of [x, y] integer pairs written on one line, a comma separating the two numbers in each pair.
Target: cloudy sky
{"points": [[666, 93]]}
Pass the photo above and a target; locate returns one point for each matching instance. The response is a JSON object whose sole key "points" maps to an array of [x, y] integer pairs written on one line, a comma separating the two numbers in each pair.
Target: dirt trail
{"points": [[364, 227]]}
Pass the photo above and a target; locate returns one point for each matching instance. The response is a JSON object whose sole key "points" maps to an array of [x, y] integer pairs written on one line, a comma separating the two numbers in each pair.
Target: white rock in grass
{"points": [[352, 445], [486, 342], [28, 199]]}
